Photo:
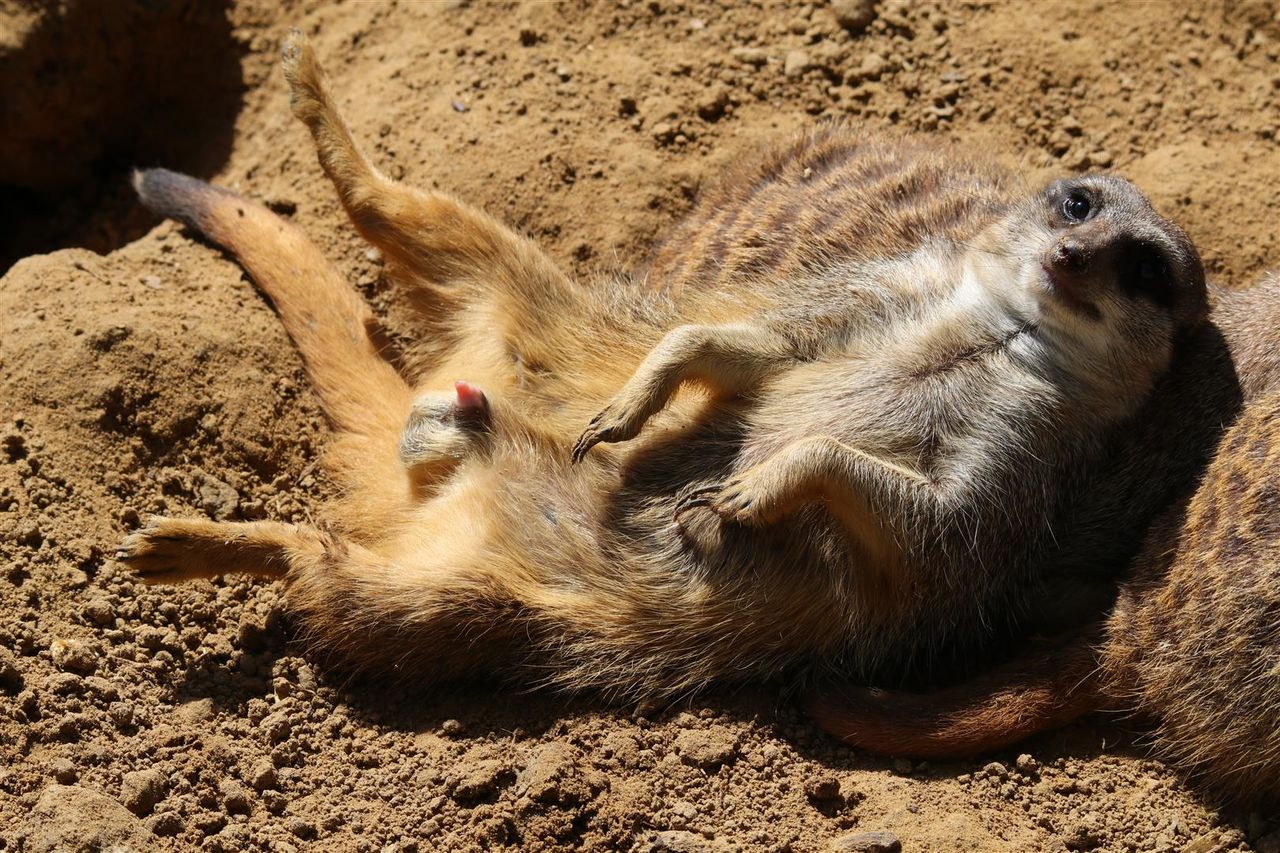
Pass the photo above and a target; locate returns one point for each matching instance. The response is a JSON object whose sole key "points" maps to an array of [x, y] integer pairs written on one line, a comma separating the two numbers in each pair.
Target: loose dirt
{"points": [[154, 379]]}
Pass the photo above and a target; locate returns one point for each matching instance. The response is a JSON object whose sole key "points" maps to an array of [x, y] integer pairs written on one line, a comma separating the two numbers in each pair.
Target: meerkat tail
{"points": [[1036, 692], [327, 319]]}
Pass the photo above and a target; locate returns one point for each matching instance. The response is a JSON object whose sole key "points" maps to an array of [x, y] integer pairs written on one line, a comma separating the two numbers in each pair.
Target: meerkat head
{"points": [[445, 426], [1104, 278]]}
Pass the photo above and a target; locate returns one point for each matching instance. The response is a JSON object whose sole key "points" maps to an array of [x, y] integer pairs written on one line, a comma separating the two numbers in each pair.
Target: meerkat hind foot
{"points": [[173, 550]]}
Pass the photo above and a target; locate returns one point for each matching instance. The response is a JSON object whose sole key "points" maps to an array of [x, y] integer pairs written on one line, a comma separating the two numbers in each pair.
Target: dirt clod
{"points": [[705, 749], [165, 824], [867, 842], [302, 828], [64, 771], [10, 675], [235, 799], [142, 789], [480, 780], [681, 841], [73, 656], [72, 819]]}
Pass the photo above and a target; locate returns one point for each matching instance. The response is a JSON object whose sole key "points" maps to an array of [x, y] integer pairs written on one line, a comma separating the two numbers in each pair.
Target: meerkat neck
{"points": [[994, 294], [989, 287]]}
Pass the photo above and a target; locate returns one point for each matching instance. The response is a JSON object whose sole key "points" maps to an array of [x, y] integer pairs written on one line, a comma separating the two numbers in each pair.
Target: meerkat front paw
{"points": [[742, 502], [617, 422], [750, 498]]}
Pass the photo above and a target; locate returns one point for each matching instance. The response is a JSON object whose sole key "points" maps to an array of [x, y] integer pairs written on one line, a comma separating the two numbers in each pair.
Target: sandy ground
{"points": [[153, 378]]}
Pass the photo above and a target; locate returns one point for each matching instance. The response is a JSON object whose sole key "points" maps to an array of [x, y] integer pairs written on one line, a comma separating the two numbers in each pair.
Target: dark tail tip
{"points": [[178, 196]]}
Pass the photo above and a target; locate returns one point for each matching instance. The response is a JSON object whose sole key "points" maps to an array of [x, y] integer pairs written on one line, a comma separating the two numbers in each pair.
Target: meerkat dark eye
{"points": [[1077, 207]]}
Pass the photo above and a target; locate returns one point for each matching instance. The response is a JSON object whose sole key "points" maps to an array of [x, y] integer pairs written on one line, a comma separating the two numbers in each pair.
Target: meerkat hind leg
{"points": [[171, 550], [445, 612], [444, 243], [730, 359]]}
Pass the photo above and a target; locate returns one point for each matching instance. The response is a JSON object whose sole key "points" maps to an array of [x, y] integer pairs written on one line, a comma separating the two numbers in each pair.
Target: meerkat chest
{"points": [[934, 389], [899, 303]]}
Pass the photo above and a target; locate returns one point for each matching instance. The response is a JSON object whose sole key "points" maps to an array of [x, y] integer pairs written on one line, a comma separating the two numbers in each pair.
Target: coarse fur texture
{"points": [[958, 370], [1192, 644]]}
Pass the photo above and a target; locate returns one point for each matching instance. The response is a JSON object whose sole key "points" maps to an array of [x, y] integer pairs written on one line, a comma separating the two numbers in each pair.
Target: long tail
{"points": [[366, 400], [328, 321], [1038, 691]]}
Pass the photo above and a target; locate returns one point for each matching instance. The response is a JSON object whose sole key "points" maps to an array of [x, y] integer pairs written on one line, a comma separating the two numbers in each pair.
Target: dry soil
{"points": [[144, 374]]}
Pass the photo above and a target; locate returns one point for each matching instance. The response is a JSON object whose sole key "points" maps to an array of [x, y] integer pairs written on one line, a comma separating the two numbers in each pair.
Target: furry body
{"points": [[907, 315]]}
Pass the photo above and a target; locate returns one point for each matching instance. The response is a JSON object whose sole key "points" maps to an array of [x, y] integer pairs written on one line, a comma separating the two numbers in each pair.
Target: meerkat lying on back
{"points": [[883, 465], [978, 370], [1192, 647], [1192, 644]]}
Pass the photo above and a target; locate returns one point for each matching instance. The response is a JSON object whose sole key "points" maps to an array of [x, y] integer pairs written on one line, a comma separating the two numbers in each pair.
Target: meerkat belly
{"points": [[961, 441]]}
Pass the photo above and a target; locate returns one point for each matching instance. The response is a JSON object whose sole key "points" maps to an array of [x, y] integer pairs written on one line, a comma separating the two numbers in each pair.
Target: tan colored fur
{"points": [[1192, 644], [500, 554], [1194, 641]]}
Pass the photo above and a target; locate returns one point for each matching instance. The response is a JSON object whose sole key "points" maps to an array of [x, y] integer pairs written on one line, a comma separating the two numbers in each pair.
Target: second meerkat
{"points": [[973, 348]]}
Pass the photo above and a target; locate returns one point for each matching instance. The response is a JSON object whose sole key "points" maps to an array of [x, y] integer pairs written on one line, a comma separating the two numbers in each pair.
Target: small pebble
{"points": [[796, 63], [263, 776], [302, 828], [98, 611], [64, 770], [235, 799], [854, 15], [822, 788], [73, 656], [165, 824], [996, 769], [753, 56]]}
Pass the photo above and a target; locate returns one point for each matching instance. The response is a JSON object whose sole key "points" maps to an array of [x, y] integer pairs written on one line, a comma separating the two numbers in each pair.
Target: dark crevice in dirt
{"points": [[93, 90]]}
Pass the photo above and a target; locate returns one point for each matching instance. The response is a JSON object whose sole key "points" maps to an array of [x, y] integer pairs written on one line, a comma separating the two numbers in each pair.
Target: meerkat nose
{"points": [[1070, 256], [470, 397]]}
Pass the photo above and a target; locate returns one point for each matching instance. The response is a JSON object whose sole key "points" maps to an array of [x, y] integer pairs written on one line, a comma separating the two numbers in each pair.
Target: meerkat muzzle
{"points": [[1070, 256]]}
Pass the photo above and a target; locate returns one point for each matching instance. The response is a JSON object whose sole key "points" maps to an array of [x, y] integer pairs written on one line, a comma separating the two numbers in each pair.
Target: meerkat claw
{"points": [[291, 47], [734, 505], [148, 551], [693, 498], [584, 443], [732, 501], [608, 427], [591, 436]]}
